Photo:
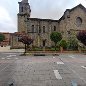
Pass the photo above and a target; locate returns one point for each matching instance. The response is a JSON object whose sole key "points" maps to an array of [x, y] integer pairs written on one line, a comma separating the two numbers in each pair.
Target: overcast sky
{"points": [[52, 9]]}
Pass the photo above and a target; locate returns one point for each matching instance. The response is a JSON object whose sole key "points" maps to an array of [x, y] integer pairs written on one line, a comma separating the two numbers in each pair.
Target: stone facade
{"points": [[5, 42], [72, 21], [15, 40]]}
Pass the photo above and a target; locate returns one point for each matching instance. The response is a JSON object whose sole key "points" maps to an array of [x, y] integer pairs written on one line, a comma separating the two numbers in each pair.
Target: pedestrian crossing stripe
{"points": [[60, 63], [11, 55], [8, 58], [16, 58], [2, 58], [57, 74], [83, 67]]}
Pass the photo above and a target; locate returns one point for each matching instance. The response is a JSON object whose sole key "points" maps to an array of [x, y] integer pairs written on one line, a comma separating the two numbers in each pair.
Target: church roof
{"points": [[39, 19], [78, 6]]}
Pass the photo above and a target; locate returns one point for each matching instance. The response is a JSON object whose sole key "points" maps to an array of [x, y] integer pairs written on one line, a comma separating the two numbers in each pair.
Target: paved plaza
{"points": [[62, 70]]}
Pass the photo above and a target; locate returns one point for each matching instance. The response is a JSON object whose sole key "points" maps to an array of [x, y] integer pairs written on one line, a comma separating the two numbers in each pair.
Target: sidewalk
{"points": [[7, 49]]}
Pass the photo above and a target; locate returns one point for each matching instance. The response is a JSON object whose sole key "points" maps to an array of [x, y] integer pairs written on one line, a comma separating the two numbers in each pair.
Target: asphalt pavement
{"points": [[62, 70]]}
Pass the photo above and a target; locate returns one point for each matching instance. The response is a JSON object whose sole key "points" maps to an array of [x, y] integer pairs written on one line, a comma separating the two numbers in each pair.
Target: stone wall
{"points": [[69, 24], [40, 36], [5, 42]]}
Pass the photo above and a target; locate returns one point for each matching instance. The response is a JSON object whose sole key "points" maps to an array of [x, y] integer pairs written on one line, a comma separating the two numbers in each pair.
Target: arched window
{"points": [[39, 29], [54, 28], [78, 21], [43, 29], [21, 9], [32, 28], [69, 32]]}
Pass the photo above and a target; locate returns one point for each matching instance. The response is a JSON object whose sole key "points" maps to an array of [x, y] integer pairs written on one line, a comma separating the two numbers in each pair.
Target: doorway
{"points": [[44, 43]]}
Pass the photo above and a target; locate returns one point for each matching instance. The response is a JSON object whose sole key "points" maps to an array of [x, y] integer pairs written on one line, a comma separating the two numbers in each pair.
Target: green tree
{"points": [[73, 44], [63, 44], [2, 37], [55, 37]]}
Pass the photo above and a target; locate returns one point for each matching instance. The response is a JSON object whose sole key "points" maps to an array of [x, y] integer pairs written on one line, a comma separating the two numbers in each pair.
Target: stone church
{"points": [[72, 21]]}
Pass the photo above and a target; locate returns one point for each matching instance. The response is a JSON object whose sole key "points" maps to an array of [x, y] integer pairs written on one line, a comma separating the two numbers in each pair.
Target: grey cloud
{"points": [[52, 9]]}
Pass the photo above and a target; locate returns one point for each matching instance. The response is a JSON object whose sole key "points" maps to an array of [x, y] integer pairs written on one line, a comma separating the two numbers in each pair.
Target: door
{"points": [[44, 43]]}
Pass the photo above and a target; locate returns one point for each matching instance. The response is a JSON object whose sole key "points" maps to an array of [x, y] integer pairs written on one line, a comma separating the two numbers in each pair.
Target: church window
{"points": [[68, 16], [68, 32], [19, 37], [78, 21], [39, 30], [21, 9], [54, 28], [44, 43], [43, 29], [32, 28]]}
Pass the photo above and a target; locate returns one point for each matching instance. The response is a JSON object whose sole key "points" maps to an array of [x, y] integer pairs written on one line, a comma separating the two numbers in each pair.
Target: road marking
{"points": [[60, 63], [16, 58], [11, 55], [77, 74], [53, 57], [72, 56], [2, 58], [83, 67], [8, 58], [8, 53], [57, 75]]}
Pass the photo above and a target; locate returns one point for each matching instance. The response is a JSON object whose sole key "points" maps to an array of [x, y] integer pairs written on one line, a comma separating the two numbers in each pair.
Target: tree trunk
{"points": [[25, 49], [61, 48], [55, 46], [79, 49]]}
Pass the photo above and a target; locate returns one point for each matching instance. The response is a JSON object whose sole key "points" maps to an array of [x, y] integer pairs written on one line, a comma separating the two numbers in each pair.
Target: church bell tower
{"points": [[24, 13]]}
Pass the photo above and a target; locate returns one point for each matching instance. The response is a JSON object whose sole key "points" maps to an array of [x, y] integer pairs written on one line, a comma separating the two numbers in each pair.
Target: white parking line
{"points": [[58, 76], [60, 63], [16, 58], [83, 67], [53, 57], [72, 56], [8, 53], [8, 58], [2, 58], [11, 55]]}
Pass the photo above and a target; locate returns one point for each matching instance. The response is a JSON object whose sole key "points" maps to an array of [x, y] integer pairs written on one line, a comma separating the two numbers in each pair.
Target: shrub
{"points": [[63, 44]]}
